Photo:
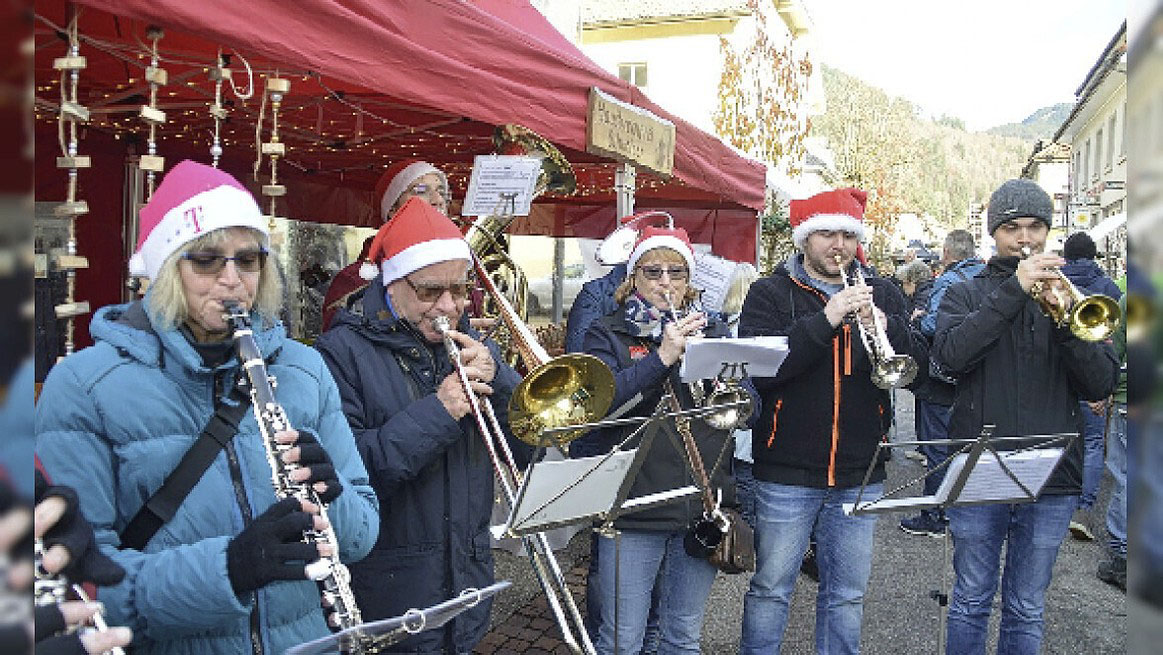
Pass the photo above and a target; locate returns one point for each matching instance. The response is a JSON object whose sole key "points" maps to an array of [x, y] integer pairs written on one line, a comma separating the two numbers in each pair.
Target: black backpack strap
{"points": [[162, 506]]}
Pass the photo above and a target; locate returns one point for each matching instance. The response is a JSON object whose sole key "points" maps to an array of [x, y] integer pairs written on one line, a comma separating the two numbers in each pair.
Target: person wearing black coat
{"points": [[1018, 371]]}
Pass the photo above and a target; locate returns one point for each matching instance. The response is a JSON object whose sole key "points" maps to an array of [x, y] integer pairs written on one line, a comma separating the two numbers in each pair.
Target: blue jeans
{"points": [[1092, 457], [935, 422], [1032, 533], [1116, 463], [647, 560], [785, 516]]}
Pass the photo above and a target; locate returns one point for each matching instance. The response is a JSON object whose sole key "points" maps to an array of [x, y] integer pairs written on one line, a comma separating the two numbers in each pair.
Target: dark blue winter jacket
{"points": [[1089, 277], [595, 300], [431, 473]]}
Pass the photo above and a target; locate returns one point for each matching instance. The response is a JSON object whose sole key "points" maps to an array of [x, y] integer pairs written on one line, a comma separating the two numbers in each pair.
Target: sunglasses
{"points": [[676, 273], [423, 189], [432, 292], [209, 263]]}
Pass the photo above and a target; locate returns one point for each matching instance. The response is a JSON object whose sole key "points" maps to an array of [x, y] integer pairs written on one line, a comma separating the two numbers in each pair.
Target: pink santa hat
{"points": [[192, 200], [418, 235]]}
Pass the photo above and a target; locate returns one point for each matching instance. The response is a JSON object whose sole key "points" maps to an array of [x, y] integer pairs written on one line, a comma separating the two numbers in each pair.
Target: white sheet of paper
{"points": [[704, 358], [493, 175], [712, 274]]}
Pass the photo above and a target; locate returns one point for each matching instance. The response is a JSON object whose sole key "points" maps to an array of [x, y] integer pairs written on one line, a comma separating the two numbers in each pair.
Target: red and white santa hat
{"points": [[418, 235], [396, 180], [652, 237], [841, 209], [192, 200]]}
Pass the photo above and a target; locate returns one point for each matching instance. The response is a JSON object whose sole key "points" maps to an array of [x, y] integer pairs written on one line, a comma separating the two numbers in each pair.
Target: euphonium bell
{"points": [[1091, 318]]}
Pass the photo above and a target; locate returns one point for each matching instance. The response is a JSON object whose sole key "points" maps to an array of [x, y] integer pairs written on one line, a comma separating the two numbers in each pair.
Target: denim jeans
{"points": [[935, 419], [649, 559], [1116, 463], [1032, 533], [785, 516], [1092, 455]]}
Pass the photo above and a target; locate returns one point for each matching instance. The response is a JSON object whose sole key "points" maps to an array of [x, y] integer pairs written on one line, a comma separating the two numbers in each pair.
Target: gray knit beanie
{"points": [[1018, 199]]}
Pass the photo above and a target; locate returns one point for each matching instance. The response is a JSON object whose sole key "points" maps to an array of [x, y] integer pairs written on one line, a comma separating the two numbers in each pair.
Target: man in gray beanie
{"points": [[1020, 372]]}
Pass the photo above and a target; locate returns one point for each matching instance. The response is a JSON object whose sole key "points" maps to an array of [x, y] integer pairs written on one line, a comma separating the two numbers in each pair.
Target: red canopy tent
{"points": [[372, 82]]}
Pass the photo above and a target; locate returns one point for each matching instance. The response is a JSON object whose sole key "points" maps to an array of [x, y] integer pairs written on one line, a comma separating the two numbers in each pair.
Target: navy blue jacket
{"points": [[432, 474], [595, 300], [1089, 277]]}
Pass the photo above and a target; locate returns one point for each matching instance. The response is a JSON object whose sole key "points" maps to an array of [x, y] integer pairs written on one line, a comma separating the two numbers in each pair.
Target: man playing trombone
{"points": [[1022, 373], [409, 411], [822, 418]]}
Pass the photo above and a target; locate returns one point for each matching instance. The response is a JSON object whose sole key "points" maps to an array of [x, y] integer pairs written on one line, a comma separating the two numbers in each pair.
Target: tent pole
{"points": [[624, 184]]}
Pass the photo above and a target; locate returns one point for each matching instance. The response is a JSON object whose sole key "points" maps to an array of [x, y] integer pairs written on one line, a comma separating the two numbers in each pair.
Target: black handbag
{"points": [[736, 550]]}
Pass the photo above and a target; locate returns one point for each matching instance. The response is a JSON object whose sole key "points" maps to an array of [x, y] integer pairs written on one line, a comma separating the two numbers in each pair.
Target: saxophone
{"points": [[331, 575], [48, 589]]}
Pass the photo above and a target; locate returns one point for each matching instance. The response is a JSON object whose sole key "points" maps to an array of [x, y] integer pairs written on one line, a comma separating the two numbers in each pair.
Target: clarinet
{"points": [[50, 589], [329, 573]]}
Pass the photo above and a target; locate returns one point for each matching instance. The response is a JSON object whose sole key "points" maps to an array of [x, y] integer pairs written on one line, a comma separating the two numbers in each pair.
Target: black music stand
{"points": [[976, 474]]}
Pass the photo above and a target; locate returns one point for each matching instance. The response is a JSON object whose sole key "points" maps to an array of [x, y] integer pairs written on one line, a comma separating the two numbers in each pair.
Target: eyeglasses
{"points": [[432, 292], [676, 273], [423, 189], [209, 263]]}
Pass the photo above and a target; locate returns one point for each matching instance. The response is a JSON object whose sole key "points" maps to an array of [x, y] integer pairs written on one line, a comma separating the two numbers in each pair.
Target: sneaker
{"points": [[916, 456], [1114, 572], [808, 566], [1080, 525], [924, 525]]}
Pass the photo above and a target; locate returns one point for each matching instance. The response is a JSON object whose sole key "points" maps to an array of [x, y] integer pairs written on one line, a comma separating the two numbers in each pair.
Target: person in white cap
{"points": [[401, 181], [220, 569], [410, 416], [821, 422], [643, 342]]}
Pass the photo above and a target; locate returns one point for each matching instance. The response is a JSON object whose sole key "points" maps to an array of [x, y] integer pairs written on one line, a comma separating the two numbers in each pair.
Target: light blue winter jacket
{"points": [[114, 419]]}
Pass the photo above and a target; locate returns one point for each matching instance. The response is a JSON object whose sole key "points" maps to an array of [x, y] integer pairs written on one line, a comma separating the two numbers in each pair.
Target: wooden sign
{"points": [[627, 133]]}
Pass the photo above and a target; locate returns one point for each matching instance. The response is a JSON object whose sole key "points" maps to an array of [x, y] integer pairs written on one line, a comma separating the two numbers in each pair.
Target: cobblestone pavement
{"points": [[1083, 615]]}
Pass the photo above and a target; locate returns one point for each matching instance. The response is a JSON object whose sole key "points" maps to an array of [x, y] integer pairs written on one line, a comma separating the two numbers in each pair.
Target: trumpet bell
{"points": [[894, 372], [1094, 318], [568, 390], [730, 417]]}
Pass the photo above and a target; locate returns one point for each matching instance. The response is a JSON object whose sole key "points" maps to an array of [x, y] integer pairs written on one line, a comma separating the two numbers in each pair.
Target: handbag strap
{"points": [[692, 450], [164, 504]]}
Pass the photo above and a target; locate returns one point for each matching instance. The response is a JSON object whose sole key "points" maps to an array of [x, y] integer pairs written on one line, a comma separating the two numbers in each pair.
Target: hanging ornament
{"points": [[157, 77], [218, 112], [276, 90]]}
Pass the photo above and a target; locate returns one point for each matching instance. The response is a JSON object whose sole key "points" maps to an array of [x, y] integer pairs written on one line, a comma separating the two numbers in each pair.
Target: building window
{"points": [[1110, 151], [1079, 180], [634, 73], [1086, 164], [1097, 153]]}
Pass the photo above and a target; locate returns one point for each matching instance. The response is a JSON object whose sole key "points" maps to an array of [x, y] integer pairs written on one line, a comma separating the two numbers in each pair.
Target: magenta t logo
{"points": [[191, 216]]}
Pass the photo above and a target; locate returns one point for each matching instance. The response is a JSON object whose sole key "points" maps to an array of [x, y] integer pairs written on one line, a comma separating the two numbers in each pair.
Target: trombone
{"points": [[889, 370], [1091, 318]]}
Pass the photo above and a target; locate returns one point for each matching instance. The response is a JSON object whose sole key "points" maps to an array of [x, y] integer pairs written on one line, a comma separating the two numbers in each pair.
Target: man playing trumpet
{"points": [[410, 415], [1019, 371], [821, 421]]}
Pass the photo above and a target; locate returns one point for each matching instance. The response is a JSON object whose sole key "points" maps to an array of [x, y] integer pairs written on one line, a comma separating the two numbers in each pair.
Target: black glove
{"points": [[312, 455], [86, 562], [271, 548]]}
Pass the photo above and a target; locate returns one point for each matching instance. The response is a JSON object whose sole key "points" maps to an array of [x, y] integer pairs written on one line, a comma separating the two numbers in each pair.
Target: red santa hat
{"points": [[192, 200], [396, 180], [841, 209], [416, 236], [652, 237]]}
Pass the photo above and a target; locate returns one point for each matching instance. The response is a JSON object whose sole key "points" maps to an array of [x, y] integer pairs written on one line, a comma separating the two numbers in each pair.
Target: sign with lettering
{"points": [[627, 133]]}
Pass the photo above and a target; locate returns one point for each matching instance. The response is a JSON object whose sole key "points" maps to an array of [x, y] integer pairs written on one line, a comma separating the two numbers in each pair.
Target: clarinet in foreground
{"points": [[329, 573], [49, 589]]}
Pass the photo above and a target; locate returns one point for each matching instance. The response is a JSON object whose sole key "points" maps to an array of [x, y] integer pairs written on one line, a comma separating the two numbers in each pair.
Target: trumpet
{"points": [[545, 565], [889, 370], [1091, 318]]}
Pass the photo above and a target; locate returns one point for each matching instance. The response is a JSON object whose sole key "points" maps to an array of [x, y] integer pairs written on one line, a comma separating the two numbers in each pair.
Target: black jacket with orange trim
{"points": [[822, 415]]}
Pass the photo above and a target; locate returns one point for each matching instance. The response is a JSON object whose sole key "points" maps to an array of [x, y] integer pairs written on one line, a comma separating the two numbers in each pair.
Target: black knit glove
{"points": [[271, 548], [312, 455], [86, 562]]}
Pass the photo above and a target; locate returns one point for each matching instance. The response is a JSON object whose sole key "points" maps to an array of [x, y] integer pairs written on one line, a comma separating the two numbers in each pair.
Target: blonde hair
{"points": [[167, 297], [741, 279], [666, 255]]}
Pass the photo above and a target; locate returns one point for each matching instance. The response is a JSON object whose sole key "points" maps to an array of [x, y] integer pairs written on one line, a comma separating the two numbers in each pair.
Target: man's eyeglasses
{"points": [[432, 292], [209, 263], [677, 273]]}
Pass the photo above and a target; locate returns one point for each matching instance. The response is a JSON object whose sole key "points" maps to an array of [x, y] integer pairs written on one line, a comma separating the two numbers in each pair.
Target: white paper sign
{"points": [[712, 275], [494, 177], [704, 358]]}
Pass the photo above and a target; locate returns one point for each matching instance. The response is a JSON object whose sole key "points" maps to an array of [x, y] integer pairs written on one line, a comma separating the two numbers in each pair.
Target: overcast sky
{"points": [[987, 62]]}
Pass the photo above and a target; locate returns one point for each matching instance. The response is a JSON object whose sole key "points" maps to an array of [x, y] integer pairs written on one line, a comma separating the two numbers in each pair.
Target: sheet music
{"points": [[704, 358], [988, 481], [565, 491], [493, 175], [712, 274]]}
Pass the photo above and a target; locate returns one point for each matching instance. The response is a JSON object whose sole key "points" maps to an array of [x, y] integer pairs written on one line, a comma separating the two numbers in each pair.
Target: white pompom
{"points": [[368, 271]]}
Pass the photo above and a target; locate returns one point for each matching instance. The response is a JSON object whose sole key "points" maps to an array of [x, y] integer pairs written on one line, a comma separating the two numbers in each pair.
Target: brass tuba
{"points": [[1091, 318]]}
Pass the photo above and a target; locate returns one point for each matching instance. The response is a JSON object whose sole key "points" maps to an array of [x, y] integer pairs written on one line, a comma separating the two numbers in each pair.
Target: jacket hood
{"points": [[128, 328], [1083, 272], [1000, 266]]}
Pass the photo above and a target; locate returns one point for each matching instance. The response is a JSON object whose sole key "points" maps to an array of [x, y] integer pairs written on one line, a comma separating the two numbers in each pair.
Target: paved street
{"points": [[1083, 614]]}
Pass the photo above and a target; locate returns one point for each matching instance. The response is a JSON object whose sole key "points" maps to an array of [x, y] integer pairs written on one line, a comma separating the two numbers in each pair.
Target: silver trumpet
{"points": [[48, 589], [726, 390], [889, 370], [545, 565]]}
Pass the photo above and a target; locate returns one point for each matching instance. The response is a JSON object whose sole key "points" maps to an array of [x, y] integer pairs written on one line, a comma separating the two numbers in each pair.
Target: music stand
{"points": [[396, 629], [1008, 476]]}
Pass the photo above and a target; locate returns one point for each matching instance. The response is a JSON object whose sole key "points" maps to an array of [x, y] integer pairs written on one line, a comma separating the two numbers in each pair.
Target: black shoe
{"points": [[924, 525], [808, 566], [1114, 572]]}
